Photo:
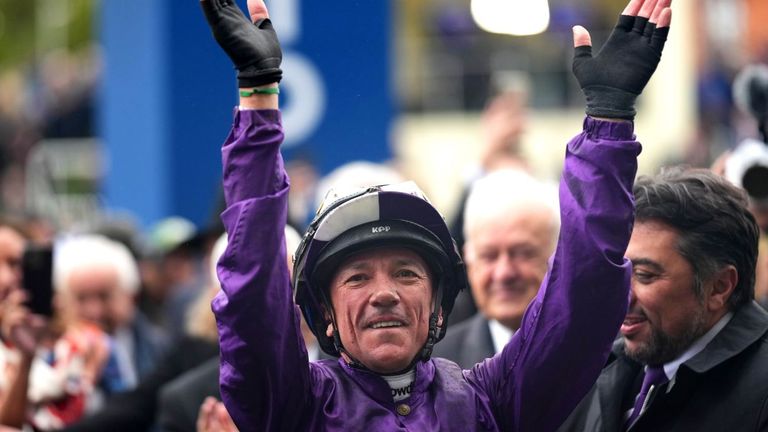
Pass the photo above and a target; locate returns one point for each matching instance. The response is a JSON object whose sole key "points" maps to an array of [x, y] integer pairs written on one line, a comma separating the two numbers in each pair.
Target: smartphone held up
{"points": [[37, 274]]}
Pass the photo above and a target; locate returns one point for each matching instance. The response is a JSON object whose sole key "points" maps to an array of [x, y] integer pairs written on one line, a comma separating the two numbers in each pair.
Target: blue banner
{"points": [[168, 90], [338, 103]]}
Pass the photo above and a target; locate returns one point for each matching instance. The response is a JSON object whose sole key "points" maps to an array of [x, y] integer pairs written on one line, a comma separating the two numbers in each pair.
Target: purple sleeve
{"points": [[264, 367], [568, 329]]}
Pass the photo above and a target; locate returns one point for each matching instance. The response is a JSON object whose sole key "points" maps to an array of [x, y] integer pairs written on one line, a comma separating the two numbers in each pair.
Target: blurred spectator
{"points": [[509, 238], [180, 399], [301, 198], [171, 272], [97, 281], [17, 135], [51, 377], [135, 410], [715, 111], [56, 102], [746, 166], [39, 229], [12, 241], [68, 85], [503, 124], [13, 403], [50, 369]]}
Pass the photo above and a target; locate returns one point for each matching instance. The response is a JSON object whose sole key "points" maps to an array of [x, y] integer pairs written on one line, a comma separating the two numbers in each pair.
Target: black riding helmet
{"points": [[397, 215]]}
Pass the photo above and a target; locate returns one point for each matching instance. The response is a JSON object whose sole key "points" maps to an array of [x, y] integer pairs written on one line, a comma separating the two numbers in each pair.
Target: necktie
{"points": [[654, 377]]}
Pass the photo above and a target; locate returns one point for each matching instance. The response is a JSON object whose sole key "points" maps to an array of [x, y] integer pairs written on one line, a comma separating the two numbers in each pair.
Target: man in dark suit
{"points": [[693, 346], [509, 238]]}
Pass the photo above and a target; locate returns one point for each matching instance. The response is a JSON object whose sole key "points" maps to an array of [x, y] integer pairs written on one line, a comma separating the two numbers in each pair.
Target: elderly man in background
{"points": [[511, 224], [96, 280]]}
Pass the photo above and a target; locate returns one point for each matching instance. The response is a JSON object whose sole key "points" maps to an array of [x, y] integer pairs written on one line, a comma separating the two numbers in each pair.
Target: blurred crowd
{"points": [[129, 341], [50, 99], [125, 339]]}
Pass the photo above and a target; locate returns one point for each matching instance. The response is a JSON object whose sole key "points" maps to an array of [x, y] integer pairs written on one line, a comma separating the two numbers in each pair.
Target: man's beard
{"points": [[663, 347]]}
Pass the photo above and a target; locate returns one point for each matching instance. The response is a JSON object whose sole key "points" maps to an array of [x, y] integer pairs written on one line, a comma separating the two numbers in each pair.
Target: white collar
{"points": [[500, 335], [313, 351], [670, 368], [400, 385]]}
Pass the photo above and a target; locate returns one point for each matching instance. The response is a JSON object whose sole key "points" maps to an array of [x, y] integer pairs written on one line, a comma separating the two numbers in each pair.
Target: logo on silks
{"points": [[380, 229], [402, 391]]}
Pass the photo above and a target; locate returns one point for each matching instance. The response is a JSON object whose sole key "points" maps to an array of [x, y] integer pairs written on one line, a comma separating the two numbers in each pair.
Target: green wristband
{"points": [[260, 91]]}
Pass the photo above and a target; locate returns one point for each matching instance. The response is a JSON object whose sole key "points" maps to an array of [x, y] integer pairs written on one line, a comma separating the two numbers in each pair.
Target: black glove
{"points": [[253, 48], [612, 80]]}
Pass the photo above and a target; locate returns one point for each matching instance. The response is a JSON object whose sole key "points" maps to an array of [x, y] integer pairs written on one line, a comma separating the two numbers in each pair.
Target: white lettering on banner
{"points": [[286, 17], [302, 83], [306, 101], [378, 229]]}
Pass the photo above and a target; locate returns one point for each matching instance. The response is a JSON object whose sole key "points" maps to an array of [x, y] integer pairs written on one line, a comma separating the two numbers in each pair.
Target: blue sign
{"points": [[338, 103], [168, 90]]}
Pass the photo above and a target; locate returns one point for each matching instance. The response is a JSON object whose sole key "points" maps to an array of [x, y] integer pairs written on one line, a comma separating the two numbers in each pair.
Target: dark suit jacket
{"points": [[467, 343], [149, 344], [180, 399], [722, 388]]}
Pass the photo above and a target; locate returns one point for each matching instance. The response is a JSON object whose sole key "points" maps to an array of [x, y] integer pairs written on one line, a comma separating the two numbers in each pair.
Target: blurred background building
{"points": [[111, 107]]}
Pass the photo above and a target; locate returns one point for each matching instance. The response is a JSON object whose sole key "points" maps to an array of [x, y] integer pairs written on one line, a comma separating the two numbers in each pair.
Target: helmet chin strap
{"points": [[434, 330], [349, 358], [424, 354]]}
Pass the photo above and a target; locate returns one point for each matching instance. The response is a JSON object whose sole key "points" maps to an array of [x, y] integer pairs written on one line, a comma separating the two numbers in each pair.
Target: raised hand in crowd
{"points": [[24, 331], [214, 417]]}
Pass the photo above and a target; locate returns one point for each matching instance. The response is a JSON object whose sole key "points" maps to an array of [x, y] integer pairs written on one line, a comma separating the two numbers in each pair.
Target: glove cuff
{"points": [[253, 77], [610, 102]]}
